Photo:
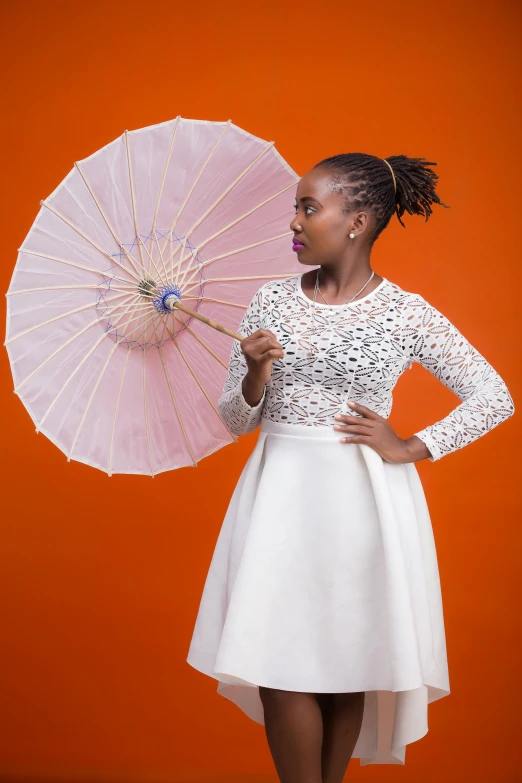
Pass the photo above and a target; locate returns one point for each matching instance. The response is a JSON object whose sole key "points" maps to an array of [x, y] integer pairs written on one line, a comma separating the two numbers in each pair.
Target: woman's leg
{"points": [[294, 730], [342, 719]]}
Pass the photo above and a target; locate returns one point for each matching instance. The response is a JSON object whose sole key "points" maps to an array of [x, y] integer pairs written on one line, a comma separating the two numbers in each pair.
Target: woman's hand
{"points": [[375, 431], [260, 350]]}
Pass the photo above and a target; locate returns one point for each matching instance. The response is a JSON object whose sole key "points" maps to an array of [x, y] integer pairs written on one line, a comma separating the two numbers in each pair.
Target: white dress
{"points": [[324, 576]]}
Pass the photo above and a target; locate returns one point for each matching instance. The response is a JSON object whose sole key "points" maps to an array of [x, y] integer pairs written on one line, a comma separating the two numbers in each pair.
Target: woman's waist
{"points": [[314, 429]]}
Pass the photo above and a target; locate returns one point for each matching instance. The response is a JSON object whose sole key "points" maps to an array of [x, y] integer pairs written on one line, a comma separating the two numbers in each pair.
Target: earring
{"points": [[352, 236]]}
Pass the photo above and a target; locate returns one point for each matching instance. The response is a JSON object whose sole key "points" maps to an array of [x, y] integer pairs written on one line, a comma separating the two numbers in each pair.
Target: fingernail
{"points": [[351, 404]]}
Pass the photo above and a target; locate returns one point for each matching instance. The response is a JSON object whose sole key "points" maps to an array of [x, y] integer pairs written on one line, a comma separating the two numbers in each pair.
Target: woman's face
{"points": [[320, 224]]}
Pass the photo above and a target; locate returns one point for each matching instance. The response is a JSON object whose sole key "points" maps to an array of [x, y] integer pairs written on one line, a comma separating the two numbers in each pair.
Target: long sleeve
{"points": [[237, 414], [430, 339]]}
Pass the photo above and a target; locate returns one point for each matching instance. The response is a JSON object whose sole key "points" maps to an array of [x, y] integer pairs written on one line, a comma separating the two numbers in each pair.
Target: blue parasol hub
{"points": [[164, 291]]}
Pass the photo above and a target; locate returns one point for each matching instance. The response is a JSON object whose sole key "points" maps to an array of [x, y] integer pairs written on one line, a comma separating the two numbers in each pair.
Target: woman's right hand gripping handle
{"points": [[260, 349]]}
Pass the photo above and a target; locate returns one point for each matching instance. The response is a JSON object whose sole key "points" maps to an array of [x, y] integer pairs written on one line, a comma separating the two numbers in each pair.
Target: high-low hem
{"points": [[327, 586]]}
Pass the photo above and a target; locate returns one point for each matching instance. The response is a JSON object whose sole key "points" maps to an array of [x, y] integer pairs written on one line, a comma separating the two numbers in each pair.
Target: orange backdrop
{"points": [[100, 580]]}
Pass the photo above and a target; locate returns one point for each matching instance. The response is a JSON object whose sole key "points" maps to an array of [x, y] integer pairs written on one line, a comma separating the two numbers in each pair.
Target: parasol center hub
{"points": [[170, 301], [167, 297]]}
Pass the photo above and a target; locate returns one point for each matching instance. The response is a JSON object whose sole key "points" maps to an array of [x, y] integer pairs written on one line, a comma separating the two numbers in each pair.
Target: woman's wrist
{"points": [[252, 390], [416, 449]]}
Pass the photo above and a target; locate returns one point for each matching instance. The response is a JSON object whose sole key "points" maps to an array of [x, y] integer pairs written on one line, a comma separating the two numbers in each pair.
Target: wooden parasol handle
{"points": [[172, 303]]}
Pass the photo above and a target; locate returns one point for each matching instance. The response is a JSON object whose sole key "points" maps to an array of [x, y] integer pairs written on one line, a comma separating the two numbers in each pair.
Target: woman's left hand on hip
{"points": [[375, 431]]}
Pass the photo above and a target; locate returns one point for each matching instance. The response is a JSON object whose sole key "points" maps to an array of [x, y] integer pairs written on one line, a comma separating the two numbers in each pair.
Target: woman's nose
{"points": [[294, 225]]}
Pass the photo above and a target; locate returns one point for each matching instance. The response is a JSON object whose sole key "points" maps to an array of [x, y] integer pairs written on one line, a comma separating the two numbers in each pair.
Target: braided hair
{"points": [[365, 181]]}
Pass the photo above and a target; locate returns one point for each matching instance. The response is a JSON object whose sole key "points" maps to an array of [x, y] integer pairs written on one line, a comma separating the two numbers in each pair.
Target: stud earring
{"points": [[352, 236]]}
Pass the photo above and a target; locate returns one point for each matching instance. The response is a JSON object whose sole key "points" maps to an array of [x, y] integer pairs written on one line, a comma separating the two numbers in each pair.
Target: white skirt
{"points": [[324, 578]]}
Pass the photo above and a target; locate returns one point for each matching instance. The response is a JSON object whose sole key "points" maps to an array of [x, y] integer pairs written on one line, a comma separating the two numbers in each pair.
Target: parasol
{"points": [[164, 232]]}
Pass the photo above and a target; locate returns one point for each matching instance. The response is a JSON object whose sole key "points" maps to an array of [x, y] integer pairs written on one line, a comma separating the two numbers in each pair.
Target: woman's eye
{"points": [[306, 207]]}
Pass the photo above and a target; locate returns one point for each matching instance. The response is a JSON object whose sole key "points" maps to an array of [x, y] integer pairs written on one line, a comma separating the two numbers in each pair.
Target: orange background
{"points": [[100, 584]]}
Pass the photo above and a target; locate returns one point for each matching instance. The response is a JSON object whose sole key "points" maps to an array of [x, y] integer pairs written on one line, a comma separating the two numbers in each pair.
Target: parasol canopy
{"points": [[188, 214]]}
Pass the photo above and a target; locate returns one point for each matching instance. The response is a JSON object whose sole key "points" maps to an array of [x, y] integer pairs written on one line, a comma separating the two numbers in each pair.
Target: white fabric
{"points": [[365, 348], [324, 576]]}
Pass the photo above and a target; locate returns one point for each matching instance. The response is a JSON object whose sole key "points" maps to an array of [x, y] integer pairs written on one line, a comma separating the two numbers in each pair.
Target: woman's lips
{"points": [[297, 245]]}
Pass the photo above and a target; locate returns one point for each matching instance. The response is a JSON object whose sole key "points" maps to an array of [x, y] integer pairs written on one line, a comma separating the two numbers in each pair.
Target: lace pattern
{"points": [[364, 348]]}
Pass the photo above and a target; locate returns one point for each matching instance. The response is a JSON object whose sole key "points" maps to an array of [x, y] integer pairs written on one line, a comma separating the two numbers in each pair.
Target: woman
{"points": [[321, 616]]}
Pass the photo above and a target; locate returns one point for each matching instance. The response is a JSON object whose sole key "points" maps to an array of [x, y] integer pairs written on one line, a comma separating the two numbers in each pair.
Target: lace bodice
{"points": [[364, 349]]}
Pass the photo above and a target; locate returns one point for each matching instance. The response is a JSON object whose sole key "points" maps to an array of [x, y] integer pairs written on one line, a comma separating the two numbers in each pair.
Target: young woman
{"points": [[321, 616]]}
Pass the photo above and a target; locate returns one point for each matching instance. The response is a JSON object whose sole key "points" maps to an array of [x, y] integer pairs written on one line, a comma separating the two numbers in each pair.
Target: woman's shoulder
{"points": [[405, 299], [275, 289]]}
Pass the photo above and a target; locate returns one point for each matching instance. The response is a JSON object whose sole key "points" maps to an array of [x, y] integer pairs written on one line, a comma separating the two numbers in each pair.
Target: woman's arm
{"points": [[430, 339], [238, 415]]}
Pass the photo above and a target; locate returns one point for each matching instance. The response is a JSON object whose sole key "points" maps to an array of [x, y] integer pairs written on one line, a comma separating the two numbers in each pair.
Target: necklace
{"points": [[313, 348]]}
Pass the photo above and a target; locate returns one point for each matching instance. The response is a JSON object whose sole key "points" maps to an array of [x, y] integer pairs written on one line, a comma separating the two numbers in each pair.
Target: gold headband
{"points": [[393, 175]]}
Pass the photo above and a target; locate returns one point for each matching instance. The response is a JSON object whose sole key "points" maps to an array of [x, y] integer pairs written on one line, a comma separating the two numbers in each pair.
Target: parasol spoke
{"points": [[71, 376], [160, 192], [216, 357], [91, 397], [135, 217], [235, 279], [198, 222], [57, 318], [66, 287], [98, 381], [162, 259], [133, 200], [235, 222], [176, 343], [180, 420], [109, 471], [55, 353], [78, 266], [232, 253], [91, 241], [203, 343], [182, 207]]}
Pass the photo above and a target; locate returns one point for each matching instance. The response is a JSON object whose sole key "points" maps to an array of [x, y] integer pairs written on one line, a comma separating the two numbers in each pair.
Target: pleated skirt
{"points": [[324, 578]]}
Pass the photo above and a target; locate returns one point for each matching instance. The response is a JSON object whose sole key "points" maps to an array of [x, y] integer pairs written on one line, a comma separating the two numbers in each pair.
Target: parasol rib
{"points": [[71, 376], [171, 392], [78, 266], [57, 351], [232, 253], [172, 397], [91, 241], [67, 288], [160, 192], [182, 207], [203, 343], [216, 357], [102, 373], [135, 217], [57, 318], [219, 200], [74, 337], [195, 376], [91, 397], [235, 279], [230, 225]]}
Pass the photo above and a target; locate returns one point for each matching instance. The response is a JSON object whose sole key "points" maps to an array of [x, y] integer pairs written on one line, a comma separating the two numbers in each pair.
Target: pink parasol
{"points": [[161, 234]]}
